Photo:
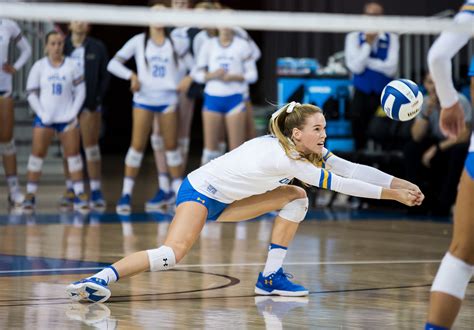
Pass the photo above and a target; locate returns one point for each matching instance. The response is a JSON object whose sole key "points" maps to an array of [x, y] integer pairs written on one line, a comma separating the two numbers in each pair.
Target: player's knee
{"points": [[162, 258], [453, 276], [35, 164], [208, 155], [183, 144], [294, 192], [174, 158], [464, 250], [133, 158], [93, 153], [7, 148], [157, 142], [295, 211], [74, 163]]}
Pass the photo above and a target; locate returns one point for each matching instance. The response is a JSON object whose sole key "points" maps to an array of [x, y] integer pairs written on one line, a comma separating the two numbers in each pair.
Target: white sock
{"points": [[127, 229], [13, 185], [78, 187], [69, 185], [274, 260], [95, 185], [128, 184], [164, 182], [176, 184], [31, 187], [108, 274]]}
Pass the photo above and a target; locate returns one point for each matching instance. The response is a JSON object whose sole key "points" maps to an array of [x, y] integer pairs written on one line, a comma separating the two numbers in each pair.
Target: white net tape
{"points": [[252, 20]]}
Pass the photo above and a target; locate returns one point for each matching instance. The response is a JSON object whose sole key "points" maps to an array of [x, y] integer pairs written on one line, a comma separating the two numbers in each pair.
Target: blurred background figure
{"points": [[225, 65], [433, 161], [56, 93], [10, 33], [91, 58], [372, 59], [185, 109], [155, 93]]}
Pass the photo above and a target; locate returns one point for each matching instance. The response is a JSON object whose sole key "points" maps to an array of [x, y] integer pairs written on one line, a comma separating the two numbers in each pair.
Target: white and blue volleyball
{"points": [[401, 99]]}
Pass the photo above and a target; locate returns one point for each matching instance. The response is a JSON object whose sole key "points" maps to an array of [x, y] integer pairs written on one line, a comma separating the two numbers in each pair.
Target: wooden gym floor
{"points": [[367, 272]]}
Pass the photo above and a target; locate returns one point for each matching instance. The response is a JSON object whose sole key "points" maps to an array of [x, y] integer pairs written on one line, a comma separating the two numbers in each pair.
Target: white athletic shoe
{"points": [[90, 289]]}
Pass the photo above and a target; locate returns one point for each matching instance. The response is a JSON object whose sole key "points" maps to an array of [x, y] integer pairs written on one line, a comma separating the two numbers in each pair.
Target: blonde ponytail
{"points": [[293, 115]]}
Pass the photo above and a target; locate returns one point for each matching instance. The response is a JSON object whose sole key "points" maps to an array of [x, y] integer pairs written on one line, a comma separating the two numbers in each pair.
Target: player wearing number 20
{"points": [[159, 58]]}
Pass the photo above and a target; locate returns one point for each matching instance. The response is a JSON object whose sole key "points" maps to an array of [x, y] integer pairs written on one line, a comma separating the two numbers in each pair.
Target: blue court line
{"points": [[15, 265]]}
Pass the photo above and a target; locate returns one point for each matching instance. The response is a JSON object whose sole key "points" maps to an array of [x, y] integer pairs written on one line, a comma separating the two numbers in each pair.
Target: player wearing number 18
{"points": [[56, 92]]}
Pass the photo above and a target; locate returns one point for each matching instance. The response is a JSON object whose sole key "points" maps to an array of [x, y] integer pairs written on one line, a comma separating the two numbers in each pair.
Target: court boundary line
{"points": [[303, 263]]}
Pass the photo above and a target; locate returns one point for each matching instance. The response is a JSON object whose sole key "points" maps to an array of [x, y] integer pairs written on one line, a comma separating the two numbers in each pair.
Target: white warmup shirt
{"points": [[261, 165], [56, 94], [235, 58], [159, 75], [10, 31]]}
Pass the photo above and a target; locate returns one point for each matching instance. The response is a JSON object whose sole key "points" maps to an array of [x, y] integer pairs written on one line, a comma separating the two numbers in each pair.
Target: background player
{"points": [[92, 58], [56, 92], [10, 32], [154, 88]]}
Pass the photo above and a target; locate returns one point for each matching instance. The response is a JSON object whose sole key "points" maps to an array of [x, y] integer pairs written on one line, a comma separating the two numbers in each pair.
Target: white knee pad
{"points": [[35, 164], [222, 147], [208, 155], [74, 163], [93, 153], [174, 158], [157, 142], [133, 158], [453, 276], [295, 211], [8, 148], [184, 145], [162, 258]]}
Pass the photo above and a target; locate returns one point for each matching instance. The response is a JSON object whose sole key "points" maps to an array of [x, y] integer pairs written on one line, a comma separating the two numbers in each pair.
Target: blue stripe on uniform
{"points": [[399, 100], [329, 180], [321, 178]]}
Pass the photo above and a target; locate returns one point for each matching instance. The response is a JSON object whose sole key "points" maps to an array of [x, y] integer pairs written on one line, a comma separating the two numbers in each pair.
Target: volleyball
{"points": [[401, 99]]}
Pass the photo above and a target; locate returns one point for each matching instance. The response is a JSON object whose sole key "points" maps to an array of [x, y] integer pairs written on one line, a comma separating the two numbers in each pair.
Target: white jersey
{"points": [[261, 165], [187, 62], [159, 74], [56, 94], [10, 32], [443, 50], [199, 40], [235, 59]]}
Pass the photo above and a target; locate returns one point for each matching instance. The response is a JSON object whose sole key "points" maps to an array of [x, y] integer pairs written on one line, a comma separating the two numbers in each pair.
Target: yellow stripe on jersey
{"points": [[325, 180], [467, 7]]}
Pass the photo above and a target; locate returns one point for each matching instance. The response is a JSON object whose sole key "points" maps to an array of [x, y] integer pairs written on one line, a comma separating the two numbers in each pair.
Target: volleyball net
{"points": [[251, 20]]}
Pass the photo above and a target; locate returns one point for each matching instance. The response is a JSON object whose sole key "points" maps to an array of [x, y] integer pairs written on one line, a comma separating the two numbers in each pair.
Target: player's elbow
{"points": [[436, 58]]}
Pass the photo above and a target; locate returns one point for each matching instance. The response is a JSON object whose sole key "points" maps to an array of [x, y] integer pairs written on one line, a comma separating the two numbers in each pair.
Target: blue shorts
{"points": [[187, 193], [58, 127], [226, 105], [469, 164], [155, 108]]}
